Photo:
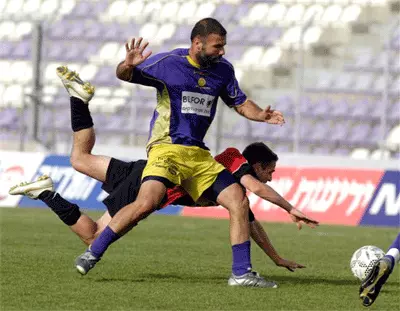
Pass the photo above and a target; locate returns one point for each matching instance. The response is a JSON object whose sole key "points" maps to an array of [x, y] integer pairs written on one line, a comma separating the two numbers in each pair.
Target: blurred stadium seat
{"points": [[340, 110]]}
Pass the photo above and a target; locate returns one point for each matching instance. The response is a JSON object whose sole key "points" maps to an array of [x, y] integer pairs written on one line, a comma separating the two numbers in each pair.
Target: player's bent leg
{"points": [[82, 225], [149, 197], [236, 202], [82, 125], [94, 166], [371, 286], [234, 199], [87, 229]]}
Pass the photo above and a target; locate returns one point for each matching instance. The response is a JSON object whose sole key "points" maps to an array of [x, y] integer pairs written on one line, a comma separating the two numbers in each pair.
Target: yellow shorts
{"points": [[191, 167]]}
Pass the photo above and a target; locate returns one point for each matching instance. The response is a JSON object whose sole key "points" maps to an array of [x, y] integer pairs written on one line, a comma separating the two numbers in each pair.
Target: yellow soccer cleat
{"points": [[74, 84]]}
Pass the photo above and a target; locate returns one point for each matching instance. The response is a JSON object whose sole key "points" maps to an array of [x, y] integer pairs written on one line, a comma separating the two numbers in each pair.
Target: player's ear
{"points": [[198, 43]]}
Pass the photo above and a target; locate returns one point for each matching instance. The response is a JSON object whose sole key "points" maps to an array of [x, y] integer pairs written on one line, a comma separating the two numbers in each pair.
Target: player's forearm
{"points": [[124, 72], [250, 110], [259, 235], [269, 194]]}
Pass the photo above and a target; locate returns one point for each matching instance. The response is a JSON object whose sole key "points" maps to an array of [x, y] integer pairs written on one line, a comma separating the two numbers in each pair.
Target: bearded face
{"points": [[212, 50]]}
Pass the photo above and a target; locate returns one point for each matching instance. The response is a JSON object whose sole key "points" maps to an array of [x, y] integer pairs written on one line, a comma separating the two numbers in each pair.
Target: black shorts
{"points": [[123, 180]]}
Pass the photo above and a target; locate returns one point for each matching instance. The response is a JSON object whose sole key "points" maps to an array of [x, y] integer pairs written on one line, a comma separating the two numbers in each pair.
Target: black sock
{"points": [[68, 212], [80, 115]]}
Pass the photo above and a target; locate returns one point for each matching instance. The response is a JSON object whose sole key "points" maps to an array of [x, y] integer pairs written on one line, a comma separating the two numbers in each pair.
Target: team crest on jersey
{"points": [[202, 82]]}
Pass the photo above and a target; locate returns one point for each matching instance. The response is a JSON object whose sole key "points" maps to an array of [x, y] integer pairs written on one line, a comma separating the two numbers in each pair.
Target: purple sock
{"points": [[103, 241], [396, 243], [241, 258]]}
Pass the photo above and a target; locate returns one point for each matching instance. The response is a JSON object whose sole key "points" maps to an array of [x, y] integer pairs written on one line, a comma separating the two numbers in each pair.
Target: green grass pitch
{"points": [[179, 263]]}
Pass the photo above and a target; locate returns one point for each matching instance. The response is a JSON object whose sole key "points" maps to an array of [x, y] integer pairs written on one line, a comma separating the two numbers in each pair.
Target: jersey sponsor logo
{"points": [[201, 82], [196, 103], [384, 207]]}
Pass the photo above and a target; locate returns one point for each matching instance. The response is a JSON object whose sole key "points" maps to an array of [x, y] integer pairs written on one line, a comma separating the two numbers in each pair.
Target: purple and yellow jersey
{"points": [[186, 96]]}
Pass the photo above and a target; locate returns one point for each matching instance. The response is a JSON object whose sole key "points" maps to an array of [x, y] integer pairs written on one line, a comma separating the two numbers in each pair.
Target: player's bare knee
{"points": [[239, 206], [79, 163]]}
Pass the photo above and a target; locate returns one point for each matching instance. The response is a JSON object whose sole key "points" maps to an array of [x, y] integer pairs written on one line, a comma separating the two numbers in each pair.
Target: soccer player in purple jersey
{"points": [[188, 83], [122, 180], [372, 285]]}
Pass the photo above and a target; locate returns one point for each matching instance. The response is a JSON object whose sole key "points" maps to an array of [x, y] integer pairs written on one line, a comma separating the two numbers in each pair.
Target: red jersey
{"points": [[231, 159]]}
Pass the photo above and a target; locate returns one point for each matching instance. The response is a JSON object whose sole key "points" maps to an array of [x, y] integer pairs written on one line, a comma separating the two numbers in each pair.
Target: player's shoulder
{"points": [[173, 55], [231, 153], [226, 65]]}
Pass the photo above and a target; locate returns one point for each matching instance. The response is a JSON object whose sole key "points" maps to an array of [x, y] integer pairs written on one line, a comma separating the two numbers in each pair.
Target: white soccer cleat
{"points": [[251, 279], [74, 85], [33, 189]]}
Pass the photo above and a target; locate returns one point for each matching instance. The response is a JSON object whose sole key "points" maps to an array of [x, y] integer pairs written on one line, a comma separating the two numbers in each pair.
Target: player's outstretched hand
{"points": [[290, 265], [134, 52], [299, 218], [272, 116]]}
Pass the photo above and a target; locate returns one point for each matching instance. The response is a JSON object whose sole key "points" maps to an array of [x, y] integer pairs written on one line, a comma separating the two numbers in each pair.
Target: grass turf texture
{"points": [[178, 263]]}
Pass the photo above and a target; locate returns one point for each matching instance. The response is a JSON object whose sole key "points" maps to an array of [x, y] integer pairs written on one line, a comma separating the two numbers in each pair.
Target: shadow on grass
{"points": [[206, 278], [167, 277]]}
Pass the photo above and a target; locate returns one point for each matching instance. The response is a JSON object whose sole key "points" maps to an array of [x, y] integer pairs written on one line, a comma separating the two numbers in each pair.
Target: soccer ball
{"points": [[364, 259]]}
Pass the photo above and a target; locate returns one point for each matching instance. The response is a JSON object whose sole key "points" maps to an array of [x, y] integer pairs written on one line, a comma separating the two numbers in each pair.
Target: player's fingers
{"points": [[127, 47], [132, 44], [298, 225], [299, 266], [290, 269], [139, 41], [268, 109], [148, 53], [141, 49]]}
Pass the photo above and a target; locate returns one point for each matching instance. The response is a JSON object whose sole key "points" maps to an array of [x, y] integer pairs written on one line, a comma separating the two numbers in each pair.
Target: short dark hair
{"points": [[259, 153], [207, 26]]}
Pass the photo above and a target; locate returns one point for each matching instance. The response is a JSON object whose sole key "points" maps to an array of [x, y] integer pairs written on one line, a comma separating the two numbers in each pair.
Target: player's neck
{"points": [[193, 56]]}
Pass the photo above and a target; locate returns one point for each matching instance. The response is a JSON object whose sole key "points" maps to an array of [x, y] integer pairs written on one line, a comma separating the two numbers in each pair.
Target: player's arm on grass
{"points": [[267, 193], [259, 235], [250, 110]]}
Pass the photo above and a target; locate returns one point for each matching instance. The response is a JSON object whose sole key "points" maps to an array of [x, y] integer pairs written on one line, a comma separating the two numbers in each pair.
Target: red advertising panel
{"points": [[332, 196]]}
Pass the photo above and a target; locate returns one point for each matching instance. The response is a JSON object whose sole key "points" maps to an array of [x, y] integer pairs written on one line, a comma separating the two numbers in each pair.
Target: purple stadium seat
{"points": [[322, 150], [9, 118], [75, 30], [224, 12], [338, 132], [282, 148], [22, 50], [238, 34], [359, 133], [319, 132], [339, 108], [285, 104], [394, 111], [83, 9], [106, 77], [273, 34], [93, 30], [341, 151], [181, 35], [6, 49], [58, 30], [114, 32], [361, 110], [241, 11], [258, 129], [257, 36], [321, 108]]}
